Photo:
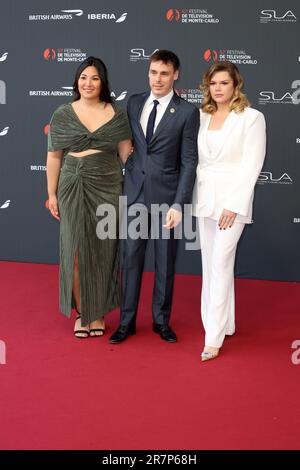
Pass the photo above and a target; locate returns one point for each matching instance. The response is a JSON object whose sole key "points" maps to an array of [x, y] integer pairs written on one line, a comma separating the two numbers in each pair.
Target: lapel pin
{"points": [[172, 110]]}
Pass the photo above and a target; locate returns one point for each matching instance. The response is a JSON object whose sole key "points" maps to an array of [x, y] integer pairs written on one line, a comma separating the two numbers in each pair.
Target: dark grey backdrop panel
{"points": [[264, 37]]}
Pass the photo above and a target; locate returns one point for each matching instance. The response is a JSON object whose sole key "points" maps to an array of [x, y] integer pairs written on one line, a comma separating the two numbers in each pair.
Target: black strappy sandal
{"points": [[81, 334], [96, 330]]}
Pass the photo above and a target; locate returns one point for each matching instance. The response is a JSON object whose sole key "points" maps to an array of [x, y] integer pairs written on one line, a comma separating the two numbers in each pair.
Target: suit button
{"points": [[143, 172]]}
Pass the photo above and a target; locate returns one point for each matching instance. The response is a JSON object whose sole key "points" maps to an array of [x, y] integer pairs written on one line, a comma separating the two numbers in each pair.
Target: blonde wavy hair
{"points": [[239, 100]]}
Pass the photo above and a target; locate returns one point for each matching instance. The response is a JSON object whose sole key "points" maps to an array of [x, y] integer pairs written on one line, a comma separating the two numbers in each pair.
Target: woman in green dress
{"points": [[85, 140]]}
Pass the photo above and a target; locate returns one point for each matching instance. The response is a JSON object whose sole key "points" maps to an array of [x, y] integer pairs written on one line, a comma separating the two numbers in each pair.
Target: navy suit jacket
{"points": [[166, 167]]}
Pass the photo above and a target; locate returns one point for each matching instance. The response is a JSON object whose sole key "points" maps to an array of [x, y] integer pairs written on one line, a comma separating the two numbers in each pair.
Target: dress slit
{"points": [[86, 182]]}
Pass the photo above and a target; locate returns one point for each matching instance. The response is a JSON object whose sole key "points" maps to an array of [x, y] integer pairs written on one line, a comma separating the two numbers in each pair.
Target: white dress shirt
{"points": [[161, 108]]}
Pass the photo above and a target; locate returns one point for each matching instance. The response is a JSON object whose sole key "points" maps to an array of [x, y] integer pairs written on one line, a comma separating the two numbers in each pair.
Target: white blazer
{"points": [[226, 178]]}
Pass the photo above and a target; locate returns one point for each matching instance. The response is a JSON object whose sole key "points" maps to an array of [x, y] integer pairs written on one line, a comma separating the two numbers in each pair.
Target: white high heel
{"points": [[208, 355]]}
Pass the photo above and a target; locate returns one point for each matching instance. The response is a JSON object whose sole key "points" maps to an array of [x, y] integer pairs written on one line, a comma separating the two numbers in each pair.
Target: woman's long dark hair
{"points": [[102, 71]]}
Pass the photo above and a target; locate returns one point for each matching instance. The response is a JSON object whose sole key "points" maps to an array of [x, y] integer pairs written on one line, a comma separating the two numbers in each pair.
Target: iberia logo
{"points": [[173, 14], [210, 55], [49, 54], [5, 205]]}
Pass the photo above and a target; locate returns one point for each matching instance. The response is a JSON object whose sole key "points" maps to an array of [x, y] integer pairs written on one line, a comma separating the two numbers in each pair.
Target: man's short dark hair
{"points": [[166, 57]]}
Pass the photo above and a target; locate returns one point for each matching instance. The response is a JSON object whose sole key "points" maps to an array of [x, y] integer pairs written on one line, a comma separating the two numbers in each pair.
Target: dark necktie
{"points": [[151, 121]]}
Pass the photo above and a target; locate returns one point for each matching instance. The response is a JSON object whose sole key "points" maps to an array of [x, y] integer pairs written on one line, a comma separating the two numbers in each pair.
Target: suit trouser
{"points": [[133, 257], [218, 249]]}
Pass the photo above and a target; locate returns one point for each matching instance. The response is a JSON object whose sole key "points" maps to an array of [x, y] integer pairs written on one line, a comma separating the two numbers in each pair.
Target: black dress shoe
{"points": [[122, 332], [165, 332]]}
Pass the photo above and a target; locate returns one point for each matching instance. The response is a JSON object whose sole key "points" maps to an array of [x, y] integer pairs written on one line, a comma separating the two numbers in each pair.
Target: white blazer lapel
{"points": [[205, 120]]}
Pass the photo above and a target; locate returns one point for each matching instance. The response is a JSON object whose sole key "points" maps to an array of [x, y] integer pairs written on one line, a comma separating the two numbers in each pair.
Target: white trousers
{"points": [[218, 249]]}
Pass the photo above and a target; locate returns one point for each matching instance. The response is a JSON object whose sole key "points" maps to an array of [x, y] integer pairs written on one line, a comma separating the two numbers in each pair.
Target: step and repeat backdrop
{"points": [[43, 42]]}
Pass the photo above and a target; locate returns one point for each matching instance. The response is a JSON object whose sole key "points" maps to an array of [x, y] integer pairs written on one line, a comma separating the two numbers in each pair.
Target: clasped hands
{"points": [[174, 218]]}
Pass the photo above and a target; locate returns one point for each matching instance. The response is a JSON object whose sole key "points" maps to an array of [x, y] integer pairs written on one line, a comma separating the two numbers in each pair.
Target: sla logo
{"points": [[210, 55], [173, 14], [139, 54], [267, 177], [4, 131], [49, 54], [5, 205], [2, 92], [107, 16], [269, 97], [121, 97], [271, 16], [3, 57]]}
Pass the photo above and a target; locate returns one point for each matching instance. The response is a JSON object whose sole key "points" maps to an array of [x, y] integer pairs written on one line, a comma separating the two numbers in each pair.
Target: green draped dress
{"points": [[84, 184]]}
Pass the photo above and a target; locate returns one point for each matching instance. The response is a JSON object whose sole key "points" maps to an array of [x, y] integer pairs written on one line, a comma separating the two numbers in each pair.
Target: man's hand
{"points": [[173, 218]]}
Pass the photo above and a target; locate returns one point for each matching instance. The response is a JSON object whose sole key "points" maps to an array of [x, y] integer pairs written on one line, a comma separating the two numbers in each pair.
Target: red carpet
{"points": [[61, 393]]}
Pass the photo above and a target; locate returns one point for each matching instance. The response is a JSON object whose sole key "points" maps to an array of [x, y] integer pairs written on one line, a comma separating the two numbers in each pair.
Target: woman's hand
{"points": [[53, 207], [227, 219]]}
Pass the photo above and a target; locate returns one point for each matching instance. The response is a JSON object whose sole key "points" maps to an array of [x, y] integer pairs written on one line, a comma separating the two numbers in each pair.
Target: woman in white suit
{"points": [[231, 147]]}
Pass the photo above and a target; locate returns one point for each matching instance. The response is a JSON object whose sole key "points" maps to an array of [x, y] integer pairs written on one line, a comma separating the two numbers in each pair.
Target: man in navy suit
{"points": [[160, 171]]}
